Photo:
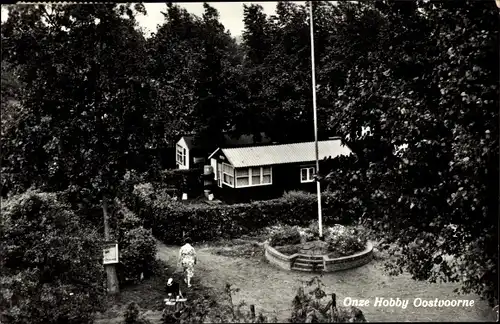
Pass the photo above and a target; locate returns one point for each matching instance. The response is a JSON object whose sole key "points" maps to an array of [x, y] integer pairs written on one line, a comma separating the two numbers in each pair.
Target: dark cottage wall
{"points": [[286, 177], [197, 157]]}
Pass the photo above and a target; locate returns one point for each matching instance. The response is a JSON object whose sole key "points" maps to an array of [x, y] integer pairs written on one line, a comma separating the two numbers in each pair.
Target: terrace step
{"points": [[310, 269], [311, 257], [302, 260], [301, 269], [306, 266]]}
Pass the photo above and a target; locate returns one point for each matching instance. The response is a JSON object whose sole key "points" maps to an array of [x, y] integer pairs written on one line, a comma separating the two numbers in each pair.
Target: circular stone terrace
{"points": [[312, 258]]}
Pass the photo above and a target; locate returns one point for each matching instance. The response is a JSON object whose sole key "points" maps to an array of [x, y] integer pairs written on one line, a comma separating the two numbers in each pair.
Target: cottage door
{"points": [[219, 174]]}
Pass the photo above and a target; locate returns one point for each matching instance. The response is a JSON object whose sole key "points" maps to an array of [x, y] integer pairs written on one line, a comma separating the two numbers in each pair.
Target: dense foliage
{"points": [[424, 182], [136, 244], [86, 96], [51, 262], [340, 240], [132, 315], [311, 307], [207, 309], [169, 219], [343, 241], [285, 235]]}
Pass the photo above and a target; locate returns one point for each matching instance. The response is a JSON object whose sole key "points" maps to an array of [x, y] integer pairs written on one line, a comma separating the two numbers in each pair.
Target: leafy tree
{"points": [[218, 87], [174, 57], [426, 98], [86, 97], [194, 63], [288, 74], [10, 97], [257, 44], [51, 269], [278, 68]]}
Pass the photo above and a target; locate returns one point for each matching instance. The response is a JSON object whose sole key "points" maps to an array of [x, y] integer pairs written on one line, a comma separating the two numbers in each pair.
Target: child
{"points": [[173, 289]]}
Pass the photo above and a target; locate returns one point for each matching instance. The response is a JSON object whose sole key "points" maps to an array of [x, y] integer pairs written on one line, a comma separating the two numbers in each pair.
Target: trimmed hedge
{"points": [[204, 222]]}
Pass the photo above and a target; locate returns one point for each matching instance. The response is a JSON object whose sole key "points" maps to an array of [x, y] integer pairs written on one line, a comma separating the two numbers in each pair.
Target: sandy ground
{"points": [[271, 290]]}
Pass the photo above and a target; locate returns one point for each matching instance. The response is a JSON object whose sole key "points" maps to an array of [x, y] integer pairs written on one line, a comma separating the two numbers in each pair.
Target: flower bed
{"points": [[340, 240], [296, 248]]}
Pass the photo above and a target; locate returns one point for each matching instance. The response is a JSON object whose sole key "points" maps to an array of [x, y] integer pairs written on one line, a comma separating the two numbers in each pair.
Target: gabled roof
{"points": [[241, 157], [189, 141]]}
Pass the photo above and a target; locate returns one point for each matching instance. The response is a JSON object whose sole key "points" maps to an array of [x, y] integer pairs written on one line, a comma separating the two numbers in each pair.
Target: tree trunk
{"points": [[113, 287]]}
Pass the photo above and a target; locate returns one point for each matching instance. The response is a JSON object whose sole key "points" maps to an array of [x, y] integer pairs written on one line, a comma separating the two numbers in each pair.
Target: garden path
{"points": [[270, 288]]}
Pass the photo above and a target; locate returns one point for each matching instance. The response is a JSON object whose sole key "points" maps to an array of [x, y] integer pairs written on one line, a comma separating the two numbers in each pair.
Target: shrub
{"points": [[313, 308], [343, 241], [52, 264], [132, 315], [312, 231], [208, 309], [206, 222], [286, 235], [136, 244], [123, 219], [137, 254]]}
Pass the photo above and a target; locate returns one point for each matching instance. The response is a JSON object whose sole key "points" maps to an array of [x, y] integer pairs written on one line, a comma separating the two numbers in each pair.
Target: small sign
{"points": [[110, 253]]}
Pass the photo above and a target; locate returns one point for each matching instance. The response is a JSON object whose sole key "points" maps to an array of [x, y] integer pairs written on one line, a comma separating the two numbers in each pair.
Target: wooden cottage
{"points": [[261, 171]]}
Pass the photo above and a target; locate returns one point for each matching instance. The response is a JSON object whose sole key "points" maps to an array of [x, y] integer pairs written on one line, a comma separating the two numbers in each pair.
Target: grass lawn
{"points": [[242, 264]]}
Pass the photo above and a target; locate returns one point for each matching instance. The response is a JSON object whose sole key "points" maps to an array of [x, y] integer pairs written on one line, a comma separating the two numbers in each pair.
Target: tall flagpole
{"points": [[320, 216]]}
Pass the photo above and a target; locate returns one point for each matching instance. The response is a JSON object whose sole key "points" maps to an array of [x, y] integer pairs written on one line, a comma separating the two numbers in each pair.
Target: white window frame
{"points": [[249, 176], [228, 174], [311, 171], [180, 155]]}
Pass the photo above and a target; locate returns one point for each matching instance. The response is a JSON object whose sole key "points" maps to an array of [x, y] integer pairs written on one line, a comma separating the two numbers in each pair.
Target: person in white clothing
{"points": [[187, 259]]}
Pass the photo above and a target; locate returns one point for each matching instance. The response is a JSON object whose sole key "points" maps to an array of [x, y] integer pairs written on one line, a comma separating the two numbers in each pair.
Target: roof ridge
{"points": [[279, 144]]}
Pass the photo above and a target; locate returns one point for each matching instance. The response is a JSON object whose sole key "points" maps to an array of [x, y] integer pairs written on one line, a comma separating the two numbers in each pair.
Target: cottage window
{"points": [[256, 176], [242, 177], [227, 174], [307, 174], [181, 155]]}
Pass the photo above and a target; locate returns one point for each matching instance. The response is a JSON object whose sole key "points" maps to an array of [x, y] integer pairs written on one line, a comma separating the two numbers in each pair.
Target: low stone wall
{"points": [[329, 264], [278, 258], [350, 261]]}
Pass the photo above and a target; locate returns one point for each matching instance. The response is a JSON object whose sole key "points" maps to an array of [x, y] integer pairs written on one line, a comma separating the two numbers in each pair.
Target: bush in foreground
{"points": [[137, 254], [285, 235], [52, 265], [132, 315], [312, 307], [137, 245]]}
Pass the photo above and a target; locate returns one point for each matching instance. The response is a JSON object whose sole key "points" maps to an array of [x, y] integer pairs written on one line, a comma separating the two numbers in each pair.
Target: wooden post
{"points": [[113, 287], [252, 312], [313, 68], [334, 307]]}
